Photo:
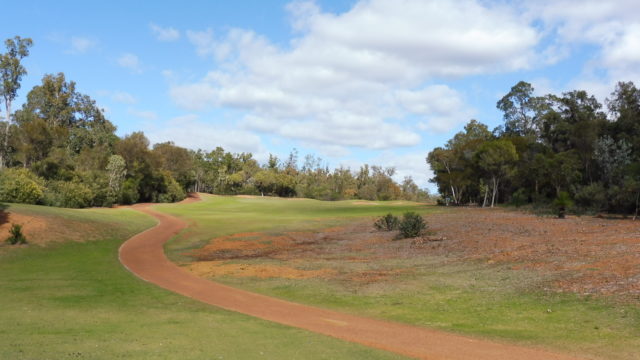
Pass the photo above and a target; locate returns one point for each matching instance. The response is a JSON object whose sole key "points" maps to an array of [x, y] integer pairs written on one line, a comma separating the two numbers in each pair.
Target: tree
{"points": [[11, 73], [117, 170], [497, 159], [453, 165], [176, 160], [613, 157], [624, 110], [522, 110]]}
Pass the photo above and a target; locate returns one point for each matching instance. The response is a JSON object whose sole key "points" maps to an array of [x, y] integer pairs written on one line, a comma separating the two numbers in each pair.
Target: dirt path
{"points": [[144, 256]]}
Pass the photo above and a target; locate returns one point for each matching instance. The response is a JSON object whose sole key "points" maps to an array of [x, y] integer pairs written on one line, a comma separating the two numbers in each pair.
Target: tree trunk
{"points": [[635, 216], [495, 191], [5, 148], [486, 194]]}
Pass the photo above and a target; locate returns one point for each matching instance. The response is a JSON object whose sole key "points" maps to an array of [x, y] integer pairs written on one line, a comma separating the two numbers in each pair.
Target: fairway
{"points": [[72, 299], [225, 215], [434, 291]]}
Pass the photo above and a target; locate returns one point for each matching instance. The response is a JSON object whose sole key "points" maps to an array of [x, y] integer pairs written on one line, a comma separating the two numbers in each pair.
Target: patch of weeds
{"points": [[16, 235], [388, 222]]}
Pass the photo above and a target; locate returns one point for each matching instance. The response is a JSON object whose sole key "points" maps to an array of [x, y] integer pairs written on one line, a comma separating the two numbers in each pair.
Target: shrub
{"points": [[519, 198], [67, 194], [388, 222], [592, 197], [20, 186], [562, 203], [174, 191], [129, 193], [412, 225], [16, 237]]}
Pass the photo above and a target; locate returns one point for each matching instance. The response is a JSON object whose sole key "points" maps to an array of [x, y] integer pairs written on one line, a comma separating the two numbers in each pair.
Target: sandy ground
{"points": [[586, 255], [144, 256], [583, 255]]}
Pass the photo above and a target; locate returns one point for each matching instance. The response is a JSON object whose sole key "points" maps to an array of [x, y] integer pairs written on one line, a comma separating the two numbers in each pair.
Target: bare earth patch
{"points": [[41, 230], [584, 255], [220, 268], [32, 227], [589, 255]]}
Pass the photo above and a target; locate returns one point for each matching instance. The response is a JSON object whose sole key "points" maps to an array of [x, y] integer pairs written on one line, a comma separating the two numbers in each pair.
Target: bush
{"points": [[519, 198], [20, 186], [412, 225], [174, 191], [592, 197], [562, 203], [129, 193], [67, 194], [16, 237], [388, 222]]}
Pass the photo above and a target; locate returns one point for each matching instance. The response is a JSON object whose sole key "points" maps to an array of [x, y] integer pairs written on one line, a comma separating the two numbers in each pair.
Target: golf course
{"points": [[70, 297]]}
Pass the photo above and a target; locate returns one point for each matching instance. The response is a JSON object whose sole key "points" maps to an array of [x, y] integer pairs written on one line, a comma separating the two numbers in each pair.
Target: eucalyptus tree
{"points": [[11, 73]]}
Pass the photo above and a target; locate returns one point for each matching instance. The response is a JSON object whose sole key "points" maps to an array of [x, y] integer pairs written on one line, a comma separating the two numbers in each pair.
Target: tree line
{"points": [[59, 149], [549, 147]]}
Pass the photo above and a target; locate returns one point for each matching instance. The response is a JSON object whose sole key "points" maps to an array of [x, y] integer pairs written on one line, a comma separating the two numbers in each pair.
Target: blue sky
{"points": [[377, 81]]}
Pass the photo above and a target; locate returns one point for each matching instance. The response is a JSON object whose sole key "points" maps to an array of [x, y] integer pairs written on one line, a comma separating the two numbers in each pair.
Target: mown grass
{"points": [[224, 215], [73, 300], [470, 298]]}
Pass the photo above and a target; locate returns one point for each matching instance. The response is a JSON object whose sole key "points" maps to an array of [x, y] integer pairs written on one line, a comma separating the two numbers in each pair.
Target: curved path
{"points": [[144, 256]]}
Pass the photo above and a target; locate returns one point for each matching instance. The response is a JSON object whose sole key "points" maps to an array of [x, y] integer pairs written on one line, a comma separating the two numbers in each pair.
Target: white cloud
{"points": [[143, 114], [361, 78], [187, 131], [611, 26], [164, 34], [410, 164], [80, 45], [123, 97], [131, 62]]}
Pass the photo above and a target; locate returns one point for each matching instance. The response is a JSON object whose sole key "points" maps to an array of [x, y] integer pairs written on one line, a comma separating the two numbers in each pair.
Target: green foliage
{"points": [[519, 197], [129, 194], [15, 235], [592, 198], [388, 222], [20, 185], [67, 194], [562, 203], [173, 191], [412, 225]]}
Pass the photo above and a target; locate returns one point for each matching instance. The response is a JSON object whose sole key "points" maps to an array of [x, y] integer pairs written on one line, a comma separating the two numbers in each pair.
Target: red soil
{"points": [[143, 255]]}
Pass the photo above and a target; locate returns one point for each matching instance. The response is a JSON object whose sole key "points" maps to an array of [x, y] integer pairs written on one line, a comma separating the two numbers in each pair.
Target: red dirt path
{"points": [[144, 256]]}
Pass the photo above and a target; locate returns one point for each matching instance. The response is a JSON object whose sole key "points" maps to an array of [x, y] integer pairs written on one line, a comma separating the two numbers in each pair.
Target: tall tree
{"points": [[522, 110], [497, 159], [11, 73]]}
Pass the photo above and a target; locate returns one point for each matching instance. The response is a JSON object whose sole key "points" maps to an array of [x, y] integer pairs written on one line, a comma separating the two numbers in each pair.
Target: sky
{"points": [[371, 81]]}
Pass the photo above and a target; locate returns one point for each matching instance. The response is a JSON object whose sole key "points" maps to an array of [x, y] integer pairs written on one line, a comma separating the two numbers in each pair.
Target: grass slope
{"points": [[470, 298], [224, 215], [73, 300]]}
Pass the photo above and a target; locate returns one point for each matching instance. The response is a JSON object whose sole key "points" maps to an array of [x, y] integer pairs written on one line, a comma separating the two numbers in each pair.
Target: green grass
{"points": [[73, 300], [470, 298], [224, 215]]}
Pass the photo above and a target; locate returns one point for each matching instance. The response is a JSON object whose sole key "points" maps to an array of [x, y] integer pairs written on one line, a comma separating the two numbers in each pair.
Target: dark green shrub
{"points": [[129, 193], [592, 198], [16, 235], [388, 222], [67, 194], [412, 225], [519, 198], [562, 203], [20, 186], [173, 192]]}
